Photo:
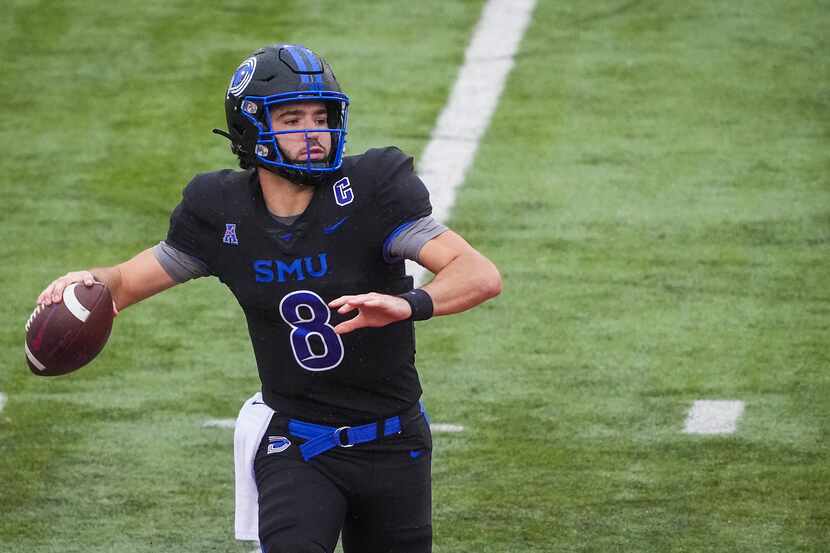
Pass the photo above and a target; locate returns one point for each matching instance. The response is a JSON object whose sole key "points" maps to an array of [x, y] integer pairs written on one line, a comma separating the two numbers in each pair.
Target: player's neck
{"points": [[283, 197]]}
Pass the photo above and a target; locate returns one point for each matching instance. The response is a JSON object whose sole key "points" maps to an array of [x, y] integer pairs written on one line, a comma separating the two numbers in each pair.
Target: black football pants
{"points": [[378, 494]]}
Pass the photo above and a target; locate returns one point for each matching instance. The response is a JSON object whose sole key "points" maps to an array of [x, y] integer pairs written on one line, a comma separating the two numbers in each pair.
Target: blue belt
{"points": [[322, 438]]}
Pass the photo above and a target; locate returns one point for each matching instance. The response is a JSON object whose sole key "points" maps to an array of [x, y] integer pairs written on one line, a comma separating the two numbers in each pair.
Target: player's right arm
{"points": [[128, 282]]}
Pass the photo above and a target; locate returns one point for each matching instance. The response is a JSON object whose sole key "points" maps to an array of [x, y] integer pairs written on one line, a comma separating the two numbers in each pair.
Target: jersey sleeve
{"points": [[192, 223], [180, 266], [402, 197], [407, 243]]}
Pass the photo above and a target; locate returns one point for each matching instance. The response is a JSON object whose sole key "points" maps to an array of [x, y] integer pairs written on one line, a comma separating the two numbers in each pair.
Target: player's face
{"points": [[300, 147]]}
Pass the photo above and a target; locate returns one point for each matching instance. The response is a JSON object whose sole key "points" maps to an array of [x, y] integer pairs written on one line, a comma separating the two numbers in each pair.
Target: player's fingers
{"points": [[46, 294], [346, 308], [45, 297], [352, 324], [355, 301], [57, 290], [339, 301], [61, 284], [69, 278]]}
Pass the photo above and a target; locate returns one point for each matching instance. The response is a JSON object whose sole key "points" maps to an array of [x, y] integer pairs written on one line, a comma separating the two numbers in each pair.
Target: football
{"points": [[65, 336]]}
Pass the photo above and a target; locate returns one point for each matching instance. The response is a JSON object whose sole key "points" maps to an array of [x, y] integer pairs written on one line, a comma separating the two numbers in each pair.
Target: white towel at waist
{"points": [[251, 425]]}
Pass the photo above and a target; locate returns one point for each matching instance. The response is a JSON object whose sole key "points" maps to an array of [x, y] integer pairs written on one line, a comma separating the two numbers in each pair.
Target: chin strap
{"points": [[222, 133], [300, 178]]}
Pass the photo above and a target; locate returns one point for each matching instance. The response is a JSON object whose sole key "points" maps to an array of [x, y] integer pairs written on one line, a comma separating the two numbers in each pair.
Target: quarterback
{"points": [[312, 244]]}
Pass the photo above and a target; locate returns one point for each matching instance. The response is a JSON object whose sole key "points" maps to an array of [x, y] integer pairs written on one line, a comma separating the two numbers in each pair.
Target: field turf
{"points": [[654, 187]]}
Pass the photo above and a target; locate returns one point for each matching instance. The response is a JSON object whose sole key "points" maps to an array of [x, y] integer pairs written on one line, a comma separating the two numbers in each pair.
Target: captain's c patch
{"points": [[343, 193]]}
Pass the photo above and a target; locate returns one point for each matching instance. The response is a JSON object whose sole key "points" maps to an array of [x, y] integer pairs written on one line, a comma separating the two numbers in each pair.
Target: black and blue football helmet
{"points": [[275, 75]]}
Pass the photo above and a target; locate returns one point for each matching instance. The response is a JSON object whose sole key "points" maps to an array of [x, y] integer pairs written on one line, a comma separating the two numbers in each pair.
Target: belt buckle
{"points": [[338, 437]]}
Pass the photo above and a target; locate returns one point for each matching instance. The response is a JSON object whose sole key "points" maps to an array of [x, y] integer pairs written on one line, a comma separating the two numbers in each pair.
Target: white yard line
{"points": [[437, 427], [3, 399], [475, 95], [713, 417], [219, 423]]}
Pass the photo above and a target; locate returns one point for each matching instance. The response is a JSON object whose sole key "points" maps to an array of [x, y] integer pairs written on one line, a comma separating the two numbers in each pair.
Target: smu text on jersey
{"points": [[300, 268]]}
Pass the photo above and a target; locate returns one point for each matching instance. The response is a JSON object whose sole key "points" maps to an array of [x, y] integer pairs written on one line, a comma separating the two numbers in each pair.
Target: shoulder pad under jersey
{"points": [[208, 195]]}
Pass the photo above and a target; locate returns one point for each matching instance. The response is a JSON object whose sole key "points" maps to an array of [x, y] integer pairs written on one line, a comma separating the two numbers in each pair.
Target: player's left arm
{"points": [[463, 279]]}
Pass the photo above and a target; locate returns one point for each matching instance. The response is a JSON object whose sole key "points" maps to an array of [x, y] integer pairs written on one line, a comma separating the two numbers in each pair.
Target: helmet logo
{"points": [[242, 76]]}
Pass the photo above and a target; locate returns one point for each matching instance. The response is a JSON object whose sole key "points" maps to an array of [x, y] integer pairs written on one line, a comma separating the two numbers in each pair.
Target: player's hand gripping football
{"points": [[373, 310], [54, 292]]}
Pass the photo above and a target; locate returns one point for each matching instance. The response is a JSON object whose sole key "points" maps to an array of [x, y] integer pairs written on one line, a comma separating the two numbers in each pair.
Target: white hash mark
{"points": [[713, 417]]}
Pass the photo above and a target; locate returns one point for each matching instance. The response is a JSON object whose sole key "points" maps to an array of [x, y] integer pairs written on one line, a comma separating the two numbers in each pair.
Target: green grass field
{"points": [[655, 187]]}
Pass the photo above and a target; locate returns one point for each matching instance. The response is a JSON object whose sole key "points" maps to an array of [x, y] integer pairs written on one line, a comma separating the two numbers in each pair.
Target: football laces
{"points": [[37, 310]]}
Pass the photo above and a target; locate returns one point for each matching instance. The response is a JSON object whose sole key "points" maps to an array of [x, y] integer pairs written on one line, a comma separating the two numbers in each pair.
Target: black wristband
{"points": [[420, 302]]}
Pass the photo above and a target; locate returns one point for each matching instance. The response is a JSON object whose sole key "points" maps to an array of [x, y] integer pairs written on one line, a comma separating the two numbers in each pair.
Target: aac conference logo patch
{"points": [[242, 76], [230, 234]]}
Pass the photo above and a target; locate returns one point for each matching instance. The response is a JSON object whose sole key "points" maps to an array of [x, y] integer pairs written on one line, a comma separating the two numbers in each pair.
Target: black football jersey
{"points": [[284, 276]]}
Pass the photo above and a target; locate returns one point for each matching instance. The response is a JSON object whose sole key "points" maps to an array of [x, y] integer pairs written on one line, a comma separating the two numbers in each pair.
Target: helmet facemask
{"points": [[269, 153]]}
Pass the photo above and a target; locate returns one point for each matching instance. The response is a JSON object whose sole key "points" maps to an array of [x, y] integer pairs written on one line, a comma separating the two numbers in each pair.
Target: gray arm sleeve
{"points": [[408, 243], [180, 266]]}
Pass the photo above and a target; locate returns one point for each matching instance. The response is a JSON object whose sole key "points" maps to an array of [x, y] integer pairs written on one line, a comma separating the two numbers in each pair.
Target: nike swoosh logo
{"points": [[332, 228]]}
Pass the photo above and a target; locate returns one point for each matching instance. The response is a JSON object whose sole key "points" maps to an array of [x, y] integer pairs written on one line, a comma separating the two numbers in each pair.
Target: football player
{"points": [[312, 244]]}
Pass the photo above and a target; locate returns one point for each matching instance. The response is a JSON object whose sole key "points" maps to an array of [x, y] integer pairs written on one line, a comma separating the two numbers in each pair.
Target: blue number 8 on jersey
{"points": [[302, 329]]}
